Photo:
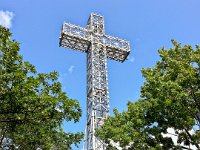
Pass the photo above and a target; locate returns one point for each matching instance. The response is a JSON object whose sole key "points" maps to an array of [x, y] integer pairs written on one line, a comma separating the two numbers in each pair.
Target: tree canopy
{"points": [[170, 99], [32, 105]]}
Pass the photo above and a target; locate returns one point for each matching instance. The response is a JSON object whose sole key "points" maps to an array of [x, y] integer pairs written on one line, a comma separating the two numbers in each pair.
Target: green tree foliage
{"points": [[32, 105], [170, 98]]}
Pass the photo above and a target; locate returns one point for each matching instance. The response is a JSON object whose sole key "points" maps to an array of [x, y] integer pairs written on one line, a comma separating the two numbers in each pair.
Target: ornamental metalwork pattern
{"points": [[99, 47]]}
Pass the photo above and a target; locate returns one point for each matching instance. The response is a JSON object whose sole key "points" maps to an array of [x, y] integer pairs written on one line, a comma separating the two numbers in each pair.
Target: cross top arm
{"points": [[79, 38]]}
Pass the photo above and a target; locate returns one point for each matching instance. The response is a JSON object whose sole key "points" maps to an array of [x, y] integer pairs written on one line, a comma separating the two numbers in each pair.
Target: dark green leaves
{"points": [[169, 99], [32, 105]]}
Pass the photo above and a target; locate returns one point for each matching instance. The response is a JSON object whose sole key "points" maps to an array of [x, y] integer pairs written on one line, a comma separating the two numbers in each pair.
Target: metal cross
{"points": [[99, 47]]}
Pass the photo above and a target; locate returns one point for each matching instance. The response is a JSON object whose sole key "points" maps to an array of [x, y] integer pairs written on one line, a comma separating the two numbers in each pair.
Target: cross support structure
{"points": [[99, 47]]}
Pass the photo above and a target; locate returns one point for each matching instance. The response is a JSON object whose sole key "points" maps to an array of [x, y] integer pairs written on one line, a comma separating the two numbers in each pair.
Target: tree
{"points": [[170, 99], [32, 105]]}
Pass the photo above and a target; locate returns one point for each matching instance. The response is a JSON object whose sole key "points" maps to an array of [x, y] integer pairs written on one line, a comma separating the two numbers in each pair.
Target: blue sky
{"points": [[148, 25]]}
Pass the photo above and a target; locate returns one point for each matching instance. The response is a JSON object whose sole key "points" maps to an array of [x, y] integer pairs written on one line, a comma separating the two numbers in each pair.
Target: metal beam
{"points": [[99, 47]]}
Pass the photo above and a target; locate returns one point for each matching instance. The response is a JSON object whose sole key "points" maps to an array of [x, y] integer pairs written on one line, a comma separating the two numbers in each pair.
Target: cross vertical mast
{"points": [[99, 47], [97, 83]]}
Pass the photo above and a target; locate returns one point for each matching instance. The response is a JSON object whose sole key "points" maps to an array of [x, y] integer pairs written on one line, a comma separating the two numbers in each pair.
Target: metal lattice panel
{"points": [[99, 47]]}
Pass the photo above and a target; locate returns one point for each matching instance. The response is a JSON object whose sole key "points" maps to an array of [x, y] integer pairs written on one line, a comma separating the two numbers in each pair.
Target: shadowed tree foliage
{"points": [[170, 99], [32, 105]]}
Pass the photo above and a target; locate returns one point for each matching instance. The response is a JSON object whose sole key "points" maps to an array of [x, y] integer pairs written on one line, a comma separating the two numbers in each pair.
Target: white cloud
{"points": [[71, 68], [171, 133], [6, 18], [131, 59]]}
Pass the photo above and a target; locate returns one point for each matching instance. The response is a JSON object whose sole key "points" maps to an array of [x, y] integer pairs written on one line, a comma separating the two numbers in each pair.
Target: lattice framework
{"points": [[99, 47]]}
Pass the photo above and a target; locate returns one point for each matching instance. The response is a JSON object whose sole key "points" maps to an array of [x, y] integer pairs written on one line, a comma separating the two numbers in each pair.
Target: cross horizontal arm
{"points": [[78, 38], [117, 49], [74, 37]]}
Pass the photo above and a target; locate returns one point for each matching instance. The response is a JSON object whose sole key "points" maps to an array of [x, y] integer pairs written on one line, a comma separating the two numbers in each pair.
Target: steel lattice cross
{"points": [[99, 47]]}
